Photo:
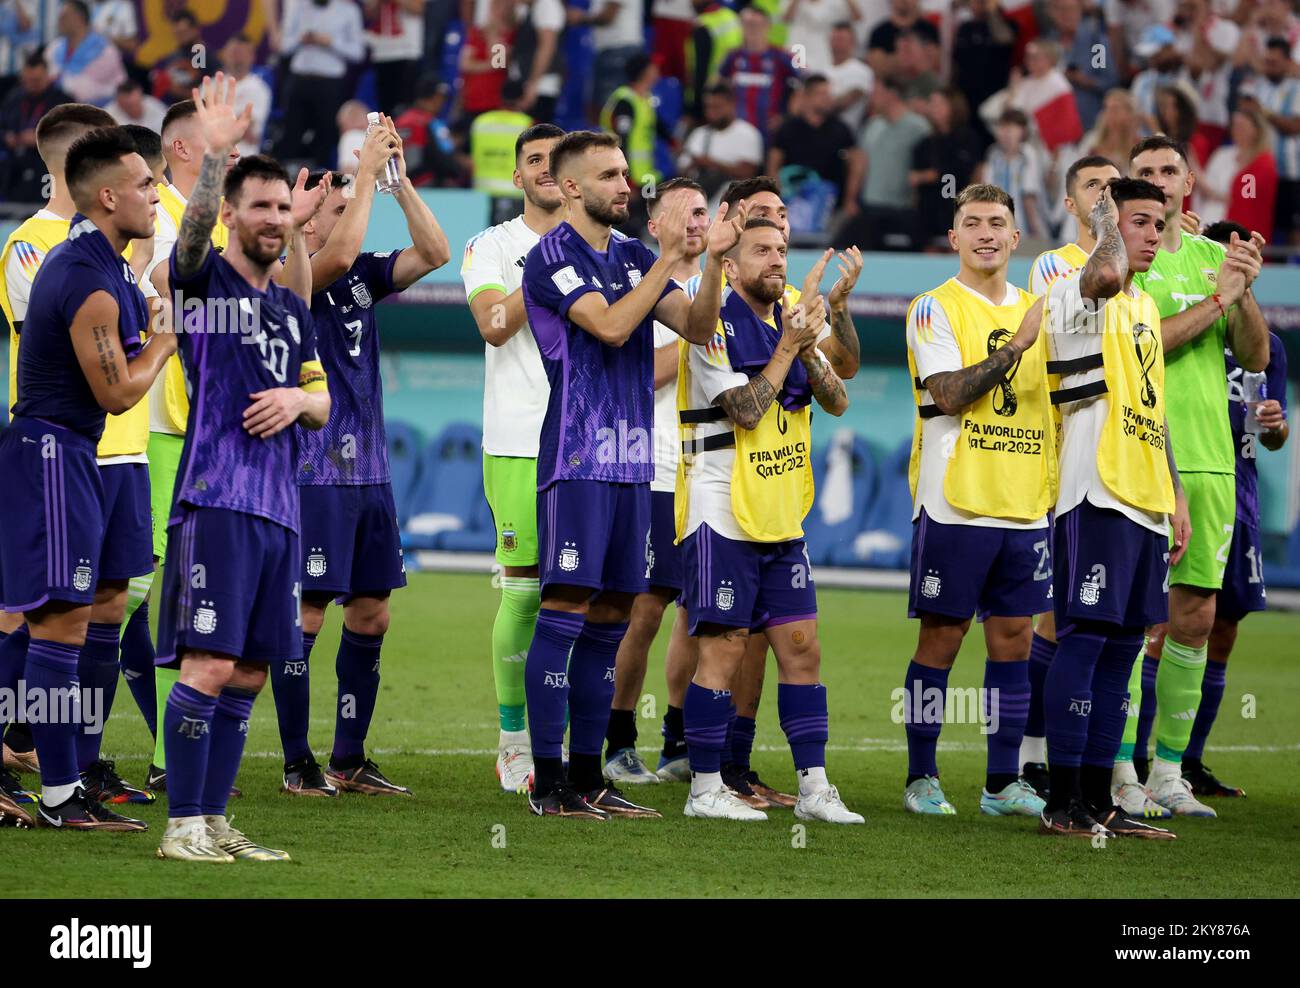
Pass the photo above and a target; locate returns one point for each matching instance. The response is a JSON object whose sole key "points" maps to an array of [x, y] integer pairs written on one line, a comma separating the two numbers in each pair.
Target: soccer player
{"points": [[1119, 488], [1084, 181], [121, 458], [1202, 290], [22, 256], [838, 341], [663, 562], [515, 390], [231, 587], [1243, 581], [352, 544], [80, 355], [591, 295], [745, 488], [981, 476]]}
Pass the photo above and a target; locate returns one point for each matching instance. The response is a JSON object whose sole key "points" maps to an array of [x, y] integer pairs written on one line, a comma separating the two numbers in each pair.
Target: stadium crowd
{"points": [[871, 112]]}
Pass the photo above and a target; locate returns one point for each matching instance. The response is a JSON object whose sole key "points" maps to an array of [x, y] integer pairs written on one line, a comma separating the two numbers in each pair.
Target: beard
{"points": [[768, 292], [607, 213], [251, 243], [534, 195]]}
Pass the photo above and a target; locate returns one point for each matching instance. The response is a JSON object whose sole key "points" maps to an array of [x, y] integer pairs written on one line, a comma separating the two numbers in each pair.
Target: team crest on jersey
{"points": [[509, 540], [633, 277], [316, 563], [205, 618], [931, 585], [81, 576], [1089, 592], [569, 557], [725, 598], [362, 294]]}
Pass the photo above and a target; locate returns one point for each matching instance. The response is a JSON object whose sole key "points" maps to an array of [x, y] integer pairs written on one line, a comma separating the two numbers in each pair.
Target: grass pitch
{"points": [[436, 730]]}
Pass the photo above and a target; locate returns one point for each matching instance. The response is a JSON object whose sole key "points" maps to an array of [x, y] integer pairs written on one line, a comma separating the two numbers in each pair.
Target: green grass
{"points": [[436, 728]]}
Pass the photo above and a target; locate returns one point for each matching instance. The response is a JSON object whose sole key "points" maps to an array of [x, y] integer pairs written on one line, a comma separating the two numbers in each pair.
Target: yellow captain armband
{"points": [[311, 378]]}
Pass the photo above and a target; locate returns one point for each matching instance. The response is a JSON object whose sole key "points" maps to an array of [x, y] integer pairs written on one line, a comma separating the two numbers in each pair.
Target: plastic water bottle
{"points": [[1254, 389], [392, 177]]}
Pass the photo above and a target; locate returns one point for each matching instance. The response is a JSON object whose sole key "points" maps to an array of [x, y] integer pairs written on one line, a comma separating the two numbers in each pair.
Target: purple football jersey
{"points": [[1246, 444], [351, 448], [601, 410], [222, 465]]}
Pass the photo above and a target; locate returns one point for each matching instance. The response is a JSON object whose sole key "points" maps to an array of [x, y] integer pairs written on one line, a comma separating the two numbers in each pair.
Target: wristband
{"points": [[1219, 302]]}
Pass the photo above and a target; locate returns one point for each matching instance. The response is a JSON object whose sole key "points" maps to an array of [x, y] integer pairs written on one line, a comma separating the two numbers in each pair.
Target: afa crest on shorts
{"points": [[931, 585], [569, 557], [725, 598], [205, 618], [316, 563], [81, 576], [362, 294], [509, 540]]}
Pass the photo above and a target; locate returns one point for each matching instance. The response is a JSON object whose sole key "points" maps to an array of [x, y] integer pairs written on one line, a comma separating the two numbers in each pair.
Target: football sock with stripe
{"points": [[1109, 715], [1034, 746], [1006, 709], [705, 714], [512, 633], [291, 689], [187, 733], [1067, 703], [923, 718], [1212, 688], [137, 655], [51, 672], [163, 681], [546, 685], [229, 733], [357, 665], [97, 667], [743, 730], [1178, 694], [591, 691], [1146, 708], [805, 721]]}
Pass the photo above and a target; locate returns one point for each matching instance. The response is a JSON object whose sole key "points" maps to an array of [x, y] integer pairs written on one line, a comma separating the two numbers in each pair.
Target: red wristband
{"points": [[1219, 302]]}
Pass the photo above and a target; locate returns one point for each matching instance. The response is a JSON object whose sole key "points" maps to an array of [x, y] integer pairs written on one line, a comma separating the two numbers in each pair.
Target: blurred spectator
{"points": [[1277, 92], [352, 124], [86, 65], [904, 15], [630, 113], [133, 105], [22, 173], [810, 23], [1127, 21], [817, 141], [176, 76], [321, 38], [482, 72], [1118, 129], [889, 140], [762, 75], [618, 33], [1044, 95], [716, 35], [851, 78], [1239, 182], [237, 56], [1176, 118], [20, 35], [438, 15], [1164, 64], [1084, 56], [116, 21], [537, 60], [944, 162], [724, 148], [395, 37], [672, 21], [914, 58], [492, 148], [1013, 165], [981, 57], [1269, 19], [148, 143], [427, 143]]}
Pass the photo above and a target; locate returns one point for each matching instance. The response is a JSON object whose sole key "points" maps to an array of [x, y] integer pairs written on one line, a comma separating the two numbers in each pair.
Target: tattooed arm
{"points": [[827, 387], [841, 347], [746, 404], [1104, 274], [954, 390], [96, 339], [195, 237]]}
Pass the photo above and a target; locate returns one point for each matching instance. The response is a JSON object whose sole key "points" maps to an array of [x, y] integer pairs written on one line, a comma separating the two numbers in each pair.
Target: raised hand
{"points": [[725, 231], [672, 229], [214, 104], [812, 282], [1189, 222], [375, 151], [850, 264], [1104, 212], [307, 201]]}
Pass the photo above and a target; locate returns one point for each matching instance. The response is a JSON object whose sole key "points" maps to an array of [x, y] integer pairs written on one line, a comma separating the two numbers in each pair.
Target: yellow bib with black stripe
{"points": [[1004, 462], [1131, 457]]}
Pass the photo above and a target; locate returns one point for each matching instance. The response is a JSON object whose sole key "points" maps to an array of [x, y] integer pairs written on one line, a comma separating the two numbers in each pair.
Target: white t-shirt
{"points": [[849, 75], [164, 238], [736, 144], [515, 389], [152, 113], [253, 89], [1073, 332], [349, 141], [624, 31], [20, 271], [936, 351], [667, 435], [811, 29], [673, 10], [400, 36]]}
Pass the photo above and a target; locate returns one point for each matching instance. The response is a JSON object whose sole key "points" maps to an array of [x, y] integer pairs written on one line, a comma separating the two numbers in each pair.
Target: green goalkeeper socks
{"points": [[1178, 694], [512, 634], [164, 679], [137, 592], [1129, 739]]}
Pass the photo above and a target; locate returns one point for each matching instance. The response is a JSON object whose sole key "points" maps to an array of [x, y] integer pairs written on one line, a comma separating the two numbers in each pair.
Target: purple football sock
{"points": [[187, 735], [919, 719], [1147, 709], [51, 672], [805, 721], [1067, 704], [97, 668], [546, 681], [743, 730], [229, 733], [706, 714], [137, 665], [357, 665], [1041, 653], [291, 689], [591, 691], [1006, 706], [1212, 687]]}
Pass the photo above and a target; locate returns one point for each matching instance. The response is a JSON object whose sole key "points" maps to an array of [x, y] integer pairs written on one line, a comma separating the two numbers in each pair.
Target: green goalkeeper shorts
{"points": [[1212, 506], [164, 462], [510, 483]]}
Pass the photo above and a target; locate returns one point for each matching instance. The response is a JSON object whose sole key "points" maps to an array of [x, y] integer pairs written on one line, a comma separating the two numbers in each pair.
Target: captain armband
{"points": [[311, 378]]}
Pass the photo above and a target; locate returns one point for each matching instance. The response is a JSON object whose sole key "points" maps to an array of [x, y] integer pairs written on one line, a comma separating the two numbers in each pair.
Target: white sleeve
{"points": [[1066, 310], [664, 336], [931, 339], [711, 368], [1038, 283], [483, 266], [548, 15], [24, 260], [750, 148], [164, 238]]}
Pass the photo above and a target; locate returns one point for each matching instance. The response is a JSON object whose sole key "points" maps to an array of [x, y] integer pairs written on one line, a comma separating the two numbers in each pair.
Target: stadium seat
{"points": [[453, 40], [448, 493], [1287, 574], [846, 479], [404, 447], [886, 539]]}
